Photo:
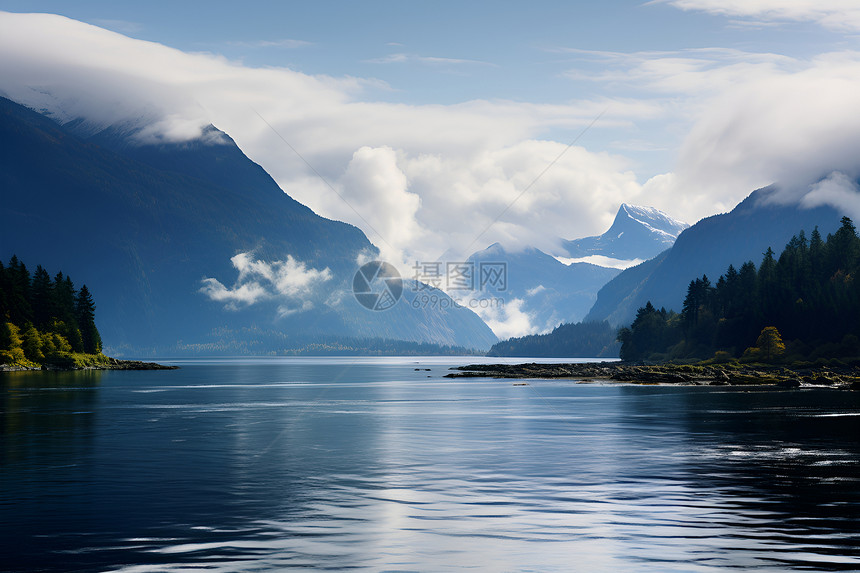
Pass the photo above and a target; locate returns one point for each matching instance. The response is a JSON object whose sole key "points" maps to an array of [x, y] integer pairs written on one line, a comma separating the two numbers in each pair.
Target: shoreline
{"points": [[847, 377], [111, 364]]}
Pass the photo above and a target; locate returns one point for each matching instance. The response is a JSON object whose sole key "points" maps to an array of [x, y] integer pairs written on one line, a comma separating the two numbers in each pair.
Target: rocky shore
{"points": [[713, 375], [115, 364]]}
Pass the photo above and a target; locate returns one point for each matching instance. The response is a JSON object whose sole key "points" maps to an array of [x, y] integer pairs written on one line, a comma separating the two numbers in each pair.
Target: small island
{"points": [[48, 324], [844, 377]]}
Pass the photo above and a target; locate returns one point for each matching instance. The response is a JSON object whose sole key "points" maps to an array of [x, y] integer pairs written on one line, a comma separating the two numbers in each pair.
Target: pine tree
{"points": [[41, 298], [64, 312], [85, 314], [18, 282], [4, 302]]}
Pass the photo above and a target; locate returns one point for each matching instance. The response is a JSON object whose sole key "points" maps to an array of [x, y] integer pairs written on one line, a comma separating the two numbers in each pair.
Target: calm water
{"points": [[371, 465]]}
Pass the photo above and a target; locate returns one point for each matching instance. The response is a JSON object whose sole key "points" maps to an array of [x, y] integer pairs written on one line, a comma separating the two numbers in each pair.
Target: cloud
{"points": [[246, 294], [508, 319], [375, 186], [690, 73], [122, 26], [536, 290], [749, 119], [291, 283], [789, 127], [834, 14], [837, 190], [420, 178]]}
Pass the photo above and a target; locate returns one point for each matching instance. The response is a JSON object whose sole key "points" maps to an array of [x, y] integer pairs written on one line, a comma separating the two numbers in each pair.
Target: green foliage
{"points": [[31, 342], [721, 357], [653, 331], [44, 319], [76, 360], [810, 294], [11, 351], [770, 343], [583, 339]]}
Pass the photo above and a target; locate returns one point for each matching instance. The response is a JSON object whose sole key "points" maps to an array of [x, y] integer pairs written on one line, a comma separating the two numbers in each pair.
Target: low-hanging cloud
{"points": [[508, 319], [792, 128], [290, 283]]}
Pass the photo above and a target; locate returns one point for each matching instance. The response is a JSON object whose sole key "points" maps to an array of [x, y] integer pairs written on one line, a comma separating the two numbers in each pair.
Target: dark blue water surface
{"points": [[253, 465]]}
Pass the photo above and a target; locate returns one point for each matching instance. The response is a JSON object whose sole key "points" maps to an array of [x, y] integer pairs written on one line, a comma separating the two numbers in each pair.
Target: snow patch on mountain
{"points": [[654, 220]]}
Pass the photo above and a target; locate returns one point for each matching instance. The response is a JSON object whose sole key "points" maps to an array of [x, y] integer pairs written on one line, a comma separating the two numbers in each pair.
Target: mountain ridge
{"points": [[146, 228], [708, 248]]}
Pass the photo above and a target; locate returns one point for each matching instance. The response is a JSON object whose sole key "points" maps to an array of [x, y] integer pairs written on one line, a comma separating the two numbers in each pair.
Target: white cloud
{"points": [[836, 190], [535, 290], [508, 319], [292, 283], [835, 14], [246, 294], [792, 128], [122, 26]]}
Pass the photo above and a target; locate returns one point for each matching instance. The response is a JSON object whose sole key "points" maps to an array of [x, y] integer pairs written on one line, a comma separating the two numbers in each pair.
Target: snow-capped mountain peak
{"points": [[653, 219], [637, 232]]}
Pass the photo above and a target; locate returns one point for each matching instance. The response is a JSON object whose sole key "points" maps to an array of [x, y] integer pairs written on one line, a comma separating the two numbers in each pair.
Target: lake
{"points": [[383, 464]]}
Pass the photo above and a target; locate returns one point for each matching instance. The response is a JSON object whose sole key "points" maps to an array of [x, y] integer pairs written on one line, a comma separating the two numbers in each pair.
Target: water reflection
{"points": [[46, 412], [375, 466]]}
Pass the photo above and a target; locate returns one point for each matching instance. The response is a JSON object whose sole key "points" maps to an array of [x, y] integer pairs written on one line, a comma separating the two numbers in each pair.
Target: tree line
{"points": [[809, 296], [43, 317], [581, 339]]}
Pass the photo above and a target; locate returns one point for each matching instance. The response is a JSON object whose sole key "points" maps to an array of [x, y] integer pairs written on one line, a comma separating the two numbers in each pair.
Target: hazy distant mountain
{"points": [[555, 290], [708, 247], [155, 232], [637, 233], [551, 292]]}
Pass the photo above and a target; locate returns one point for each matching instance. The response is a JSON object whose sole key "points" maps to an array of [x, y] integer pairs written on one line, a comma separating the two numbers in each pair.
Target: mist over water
{"points": [[370, 464]]}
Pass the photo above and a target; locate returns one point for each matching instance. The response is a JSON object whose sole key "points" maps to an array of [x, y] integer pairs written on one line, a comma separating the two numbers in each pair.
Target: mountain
{"points": [[192, 245], [551, 291], [708, 248], [636, 233]]}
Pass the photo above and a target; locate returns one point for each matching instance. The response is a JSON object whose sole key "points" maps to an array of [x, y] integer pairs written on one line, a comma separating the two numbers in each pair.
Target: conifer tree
{"points": [[85, 313], [41, 298], [18, 282]]}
